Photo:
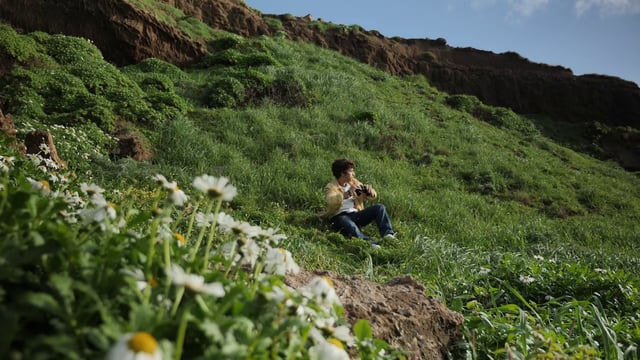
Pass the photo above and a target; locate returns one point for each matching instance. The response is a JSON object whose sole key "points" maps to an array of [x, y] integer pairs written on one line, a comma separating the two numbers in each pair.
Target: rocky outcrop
{"points": [[124, 33], [8, 128]]}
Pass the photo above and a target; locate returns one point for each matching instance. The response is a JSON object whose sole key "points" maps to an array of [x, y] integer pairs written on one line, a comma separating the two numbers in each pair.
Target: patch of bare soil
{"points": [[399, 312]]}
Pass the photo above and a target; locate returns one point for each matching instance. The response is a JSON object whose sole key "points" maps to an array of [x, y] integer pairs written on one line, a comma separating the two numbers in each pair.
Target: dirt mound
{"points": [[399, 312]]}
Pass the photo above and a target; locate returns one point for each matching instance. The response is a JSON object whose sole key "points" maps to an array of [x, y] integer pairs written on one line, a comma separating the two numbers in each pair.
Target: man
{"points": [[345, 197]]}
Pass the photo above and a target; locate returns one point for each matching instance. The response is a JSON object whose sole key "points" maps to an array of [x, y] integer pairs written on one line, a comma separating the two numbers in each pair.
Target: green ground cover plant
{"points": [[534, 243]]}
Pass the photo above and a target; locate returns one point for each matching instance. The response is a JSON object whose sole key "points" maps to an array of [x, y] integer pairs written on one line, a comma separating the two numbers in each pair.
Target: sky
{"points": [[586, 36]]}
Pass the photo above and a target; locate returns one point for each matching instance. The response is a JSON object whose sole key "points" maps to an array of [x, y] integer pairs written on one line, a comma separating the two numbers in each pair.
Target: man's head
{"points": [[341, 166]]}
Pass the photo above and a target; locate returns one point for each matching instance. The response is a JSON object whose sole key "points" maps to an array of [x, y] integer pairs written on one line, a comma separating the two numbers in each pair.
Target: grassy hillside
{"points": [[536, 244]]}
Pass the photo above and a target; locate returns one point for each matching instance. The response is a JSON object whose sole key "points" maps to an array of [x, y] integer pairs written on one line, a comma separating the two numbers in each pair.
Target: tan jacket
{"points": [[333, 197]]}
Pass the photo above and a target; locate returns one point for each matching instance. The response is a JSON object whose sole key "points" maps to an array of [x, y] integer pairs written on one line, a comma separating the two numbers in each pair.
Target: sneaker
{"points": [[375, 246], [390, 236]]}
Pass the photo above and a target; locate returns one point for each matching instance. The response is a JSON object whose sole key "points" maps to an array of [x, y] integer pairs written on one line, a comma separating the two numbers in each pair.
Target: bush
{"points": [[156, 66], [226, 92], [466, 103], [15, 46], [505, 119], [289, 89], [68, 50], [226, 42]]}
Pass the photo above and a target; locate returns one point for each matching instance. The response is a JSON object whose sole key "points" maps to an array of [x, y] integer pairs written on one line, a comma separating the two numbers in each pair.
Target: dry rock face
{"points": [[124, 33], [8, 128], [399, 312]]}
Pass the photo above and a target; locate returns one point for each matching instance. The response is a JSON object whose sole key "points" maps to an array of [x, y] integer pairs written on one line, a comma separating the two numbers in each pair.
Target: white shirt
{"points": [[348, 204]]}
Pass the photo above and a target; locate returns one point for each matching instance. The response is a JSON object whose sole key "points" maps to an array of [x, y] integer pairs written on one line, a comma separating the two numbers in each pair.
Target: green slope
{"points": [[515, 231]]}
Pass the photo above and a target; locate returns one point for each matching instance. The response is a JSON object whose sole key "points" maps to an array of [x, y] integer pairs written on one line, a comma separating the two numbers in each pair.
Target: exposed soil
{"points": [[399, 312]]}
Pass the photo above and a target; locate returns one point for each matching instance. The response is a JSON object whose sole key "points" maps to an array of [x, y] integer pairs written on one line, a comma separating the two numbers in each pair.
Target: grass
{"points": [[535, 243]]}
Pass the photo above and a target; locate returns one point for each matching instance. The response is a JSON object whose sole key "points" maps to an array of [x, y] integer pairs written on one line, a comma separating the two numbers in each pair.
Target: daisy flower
{"points": [[44, 148], [331, 349], [194, 282], [526, 279], [216, 188], [6, 162], [102, 210], [91, 189], [245, 251], [280, 261], [180, 239], [135, 346], [159, 178], [42, 185], [271, 236], [177, 196], [204, 220], [320, 289]]}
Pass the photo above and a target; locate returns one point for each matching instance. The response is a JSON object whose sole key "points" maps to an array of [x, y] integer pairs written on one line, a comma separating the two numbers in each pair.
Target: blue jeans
{"points": [[348, 224]]}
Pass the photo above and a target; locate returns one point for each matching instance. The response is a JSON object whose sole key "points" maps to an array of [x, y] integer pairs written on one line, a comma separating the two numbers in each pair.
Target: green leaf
{"points": [[43, 301], [510, 309], [63, 284], [362, 330], [142, 317]]}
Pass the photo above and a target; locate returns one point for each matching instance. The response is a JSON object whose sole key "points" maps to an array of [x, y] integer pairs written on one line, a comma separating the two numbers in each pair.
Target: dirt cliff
{"points": [[127, 34]]}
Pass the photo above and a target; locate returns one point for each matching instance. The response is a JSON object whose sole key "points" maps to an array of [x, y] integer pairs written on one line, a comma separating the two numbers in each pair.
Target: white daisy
{"points": [[280, 261], [91, 189], [177, 196], [216, 188], [331, 349], [204, 220], [6, 162], [42, 185], [135, 346], [526, 279], [102, 210], [320, 289], [246, 252], [271, 236], [194, 282]]}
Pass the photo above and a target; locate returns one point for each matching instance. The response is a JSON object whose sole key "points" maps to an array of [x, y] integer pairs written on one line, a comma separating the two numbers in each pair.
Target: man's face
{"points": [[349, 174]]}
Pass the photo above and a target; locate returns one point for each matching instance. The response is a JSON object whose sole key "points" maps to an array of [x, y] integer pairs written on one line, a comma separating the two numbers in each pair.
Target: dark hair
{"points": [[341, 165]]}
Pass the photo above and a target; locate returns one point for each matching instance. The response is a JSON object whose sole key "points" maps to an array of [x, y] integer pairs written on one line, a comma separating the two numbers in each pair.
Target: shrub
{"points": [[505, 119], [15, 46], [68, 50], [259, 59], [289, 89], [226, 92], [466, 103], [226, 42], [157, 66]]}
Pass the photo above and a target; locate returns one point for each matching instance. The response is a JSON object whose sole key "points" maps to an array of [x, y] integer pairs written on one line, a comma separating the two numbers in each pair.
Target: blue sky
{"points": [[587, 36]]}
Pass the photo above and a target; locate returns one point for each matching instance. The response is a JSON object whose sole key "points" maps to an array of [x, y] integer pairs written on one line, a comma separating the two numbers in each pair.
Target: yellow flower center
{"points": [[329, 281], [335, 342], [45, 185], [180, 238], [143, 342]]}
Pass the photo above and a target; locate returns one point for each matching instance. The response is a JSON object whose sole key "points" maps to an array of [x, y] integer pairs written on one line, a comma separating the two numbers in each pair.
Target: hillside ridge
{"points": [[128, 35]]}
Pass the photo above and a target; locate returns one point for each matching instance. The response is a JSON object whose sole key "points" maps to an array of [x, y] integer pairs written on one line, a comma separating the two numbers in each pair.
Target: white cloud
{"points": [[526, 8], [608, 7]]}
